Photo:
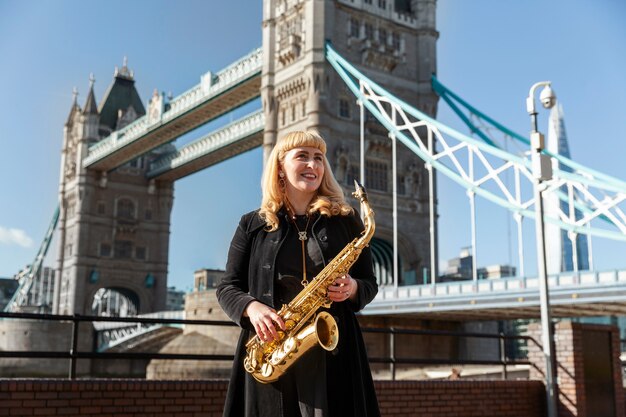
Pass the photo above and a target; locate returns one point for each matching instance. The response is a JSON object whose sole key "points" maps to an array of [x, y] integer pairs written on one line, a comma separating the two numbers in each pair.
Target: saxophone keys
{"points": [[276, 358], [267, 370], [290, 345], [250, 365]]}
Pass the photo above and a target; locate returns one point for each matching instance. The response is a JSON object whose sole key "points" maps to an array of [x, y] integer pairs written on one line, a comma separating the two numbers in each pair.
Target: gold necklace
{"points": [[302, 236]]}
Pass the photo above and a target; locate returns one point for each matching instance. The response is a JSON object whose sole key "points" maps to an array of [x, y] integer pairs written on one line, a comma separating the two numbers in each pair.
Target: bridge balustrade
{"points": [[495, 285]]}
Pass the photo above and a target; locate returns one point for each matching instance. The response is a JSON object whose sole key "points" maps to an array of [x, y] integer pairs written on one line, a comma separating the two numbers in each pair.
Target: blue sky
{"points": [[490, 52]]}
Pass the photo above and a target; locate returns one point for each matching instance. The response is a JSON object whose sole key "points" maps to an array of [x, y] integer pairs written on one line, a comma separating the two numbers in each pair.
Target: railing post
{"points": [[503, 356], [74, 346], [392, 353]]}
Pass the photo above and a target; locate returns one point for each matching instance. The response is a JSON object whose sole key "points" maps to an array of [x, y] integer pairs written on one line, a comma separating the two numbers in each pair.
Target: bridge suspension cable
{"points": [[28, 276], [488, 163], [455, 102]]}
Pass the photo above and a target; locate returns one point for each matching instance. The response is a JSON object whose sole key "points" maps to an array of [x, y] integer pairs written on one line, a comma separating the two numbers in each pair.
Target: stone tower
{"points": [[392, 42], [114, 226]]}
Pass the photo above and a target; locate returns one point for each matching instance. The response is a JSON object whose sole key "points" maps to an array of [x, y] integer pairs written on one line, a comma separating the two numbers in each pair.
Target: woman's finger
{"points": [[278, 320]]}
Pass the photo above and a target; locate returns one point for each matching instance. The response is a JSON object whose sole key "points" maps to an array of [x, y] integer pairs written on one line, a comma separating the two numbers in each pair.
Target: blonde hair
{"points": [[329, 201]]}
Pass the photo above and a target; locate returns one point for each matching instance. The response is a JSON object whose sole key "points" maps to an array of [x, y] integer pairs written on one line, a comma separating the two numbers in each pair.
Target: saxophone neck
{"points": [[367, 213]]}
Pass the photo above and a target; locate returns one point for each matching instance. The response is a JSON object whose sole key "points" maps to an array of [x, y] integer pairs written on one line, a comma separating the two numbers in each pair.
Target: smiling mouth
{"points": [[309, 176]]}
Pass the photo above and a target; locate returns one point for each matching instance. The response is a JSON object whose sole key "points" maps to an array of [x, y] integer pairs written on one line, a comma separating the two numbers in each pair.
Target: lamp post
{"points": [[542, 171]]}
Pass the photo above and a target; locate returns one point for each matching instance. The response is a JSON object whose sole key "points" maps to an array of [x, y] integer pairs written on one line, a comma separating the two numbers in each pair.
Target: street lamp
{"points": [[542, 171]]}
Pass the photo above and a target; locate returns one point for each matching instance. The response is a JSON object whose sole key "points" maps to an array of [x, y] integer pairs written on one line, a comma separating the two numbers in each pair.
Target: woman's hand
{"points": [[344, 288], [263, 318]]}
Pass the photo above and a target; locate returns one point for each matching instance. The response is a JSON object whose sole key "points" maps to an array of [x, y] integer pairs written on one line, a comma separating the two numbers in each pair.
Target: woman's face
{"points": [[304, 169]]}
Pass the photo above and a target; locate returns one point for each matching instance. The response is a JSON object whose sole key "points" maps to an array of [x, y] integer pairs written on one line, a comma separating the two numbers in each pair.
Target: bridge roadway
{"points": [[214, 96], [582, 294], [233, 139]]}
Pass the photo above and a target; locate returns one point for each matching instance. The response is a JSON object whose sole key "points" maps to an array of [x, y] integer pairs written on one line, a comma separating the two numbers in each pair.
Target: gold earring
{"points": [[281, 181]]}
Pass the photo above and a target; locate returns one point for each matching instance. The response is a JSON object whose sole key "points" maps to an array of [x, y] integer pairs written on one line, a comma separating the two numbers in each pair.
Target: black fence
{"points": [[392, 360]]}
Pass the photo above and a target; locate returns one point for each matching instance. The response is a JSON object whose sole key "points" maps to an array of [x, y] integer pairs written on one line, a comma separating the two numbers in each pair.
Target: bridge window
{"points": [[382, 4], [400, 184], [368, 1], [353, 174], [344, 108], [148, 215], [376, 175], [105, 249], [403, 6], [395, 41], [140, 252], [125, 209], [355, 27], [136, 163], [369, 31], [123, 249], [101, 207], [304, 108], [382, 36]]}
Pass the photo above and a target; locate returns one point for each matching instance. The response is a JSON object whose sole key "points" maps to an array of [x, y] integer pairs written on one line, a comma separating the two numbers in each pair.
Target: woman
{"points": [[302, 224]]}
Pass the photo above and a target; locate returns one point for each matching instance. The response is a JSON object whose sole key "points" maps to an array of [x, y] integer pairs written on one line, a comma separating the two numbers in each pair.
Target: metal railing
{"points": [[503, 359], [73, 355], [393, 360]]}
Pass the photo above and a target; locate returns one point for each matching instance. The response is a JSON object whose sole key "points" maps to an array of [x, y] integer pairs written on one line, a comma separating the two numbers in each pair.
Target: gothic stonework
{"points": [[114, 226], [394, 43]]}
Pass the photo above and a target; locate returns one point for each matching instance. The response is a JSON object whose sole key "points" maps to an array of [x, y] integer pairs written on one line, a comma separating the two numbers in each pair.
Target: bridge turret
{"points": [[392, 42], [90, 115], [114, 225], [121, 103], [74, 109]]}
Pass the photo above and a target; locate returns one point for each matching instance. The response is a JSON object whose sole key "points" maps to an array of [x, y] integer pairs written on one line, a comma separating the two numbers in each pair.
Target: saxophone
{"points": [[267, 361]]}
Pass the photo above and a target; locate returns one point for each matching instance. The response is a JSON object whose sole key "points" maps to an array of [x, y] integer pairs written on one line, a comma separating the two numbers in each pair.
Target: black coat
{"points": [[250, 276]]}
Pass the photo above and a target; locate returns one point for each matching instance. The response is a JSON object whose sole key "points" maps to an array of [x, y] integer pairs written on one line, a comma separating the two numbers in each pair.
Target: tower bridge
{"points": [[119, 163], [236, 138], [214, 96]]}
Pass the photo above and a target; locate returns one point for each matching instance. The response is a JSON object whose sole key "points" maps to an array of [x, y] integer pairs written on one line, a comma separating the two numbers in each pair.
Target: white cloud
{"points": [[15, 237]]}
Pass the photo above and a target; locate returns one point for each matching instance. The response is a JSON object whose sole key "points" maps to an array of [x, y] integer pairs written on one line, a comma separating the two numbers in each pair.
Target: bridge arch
{"points": [[118, 296], [114, 302], [382, 254]]}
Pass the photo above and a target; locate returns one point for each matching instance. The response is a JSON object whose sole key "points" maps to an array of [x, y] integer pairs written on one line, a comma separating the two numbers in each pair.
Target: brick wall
{"points": [[122, 398], [461, 398], [573, 384]]}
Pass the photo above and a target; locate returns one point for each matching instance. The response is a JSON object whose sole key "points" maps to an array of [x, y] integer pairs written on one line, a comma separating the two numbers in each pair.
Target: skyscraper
{"points": [[565, 251]]}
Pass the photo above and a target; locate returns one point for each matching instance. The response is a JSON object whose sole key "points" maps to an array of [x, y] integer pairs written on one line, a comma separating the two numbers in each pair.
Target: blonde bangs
{"points": [[330, 200], [300, 139]]}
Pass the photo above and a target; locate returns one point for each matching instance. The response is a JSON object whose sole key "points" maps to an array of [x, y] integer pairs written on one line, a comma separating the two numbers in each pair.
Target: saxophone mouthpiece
{"points": [[359, 192]]}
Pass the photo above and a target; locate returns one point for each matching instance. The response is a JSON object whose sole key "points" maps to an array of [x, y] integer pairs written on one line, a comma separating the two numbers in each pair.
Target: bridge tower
{"points": [[114, 226], [394, 43]]}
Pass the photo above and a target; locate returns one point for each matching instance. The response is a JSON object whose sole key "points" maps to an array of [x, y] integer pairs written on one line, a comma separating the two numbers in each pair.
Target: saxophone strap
{"points": [[303, 237]]}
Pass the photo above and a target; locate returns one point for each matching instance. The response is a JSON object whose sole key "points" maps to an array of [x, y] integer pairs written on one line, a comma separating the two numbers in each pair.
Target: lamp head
{"points": [[547, 97]]}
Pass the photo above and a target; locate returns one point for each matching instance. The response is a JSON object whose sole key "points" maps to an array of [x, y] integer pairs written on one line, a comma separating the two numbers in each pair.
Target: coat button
{"points": [[323, 238]]}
